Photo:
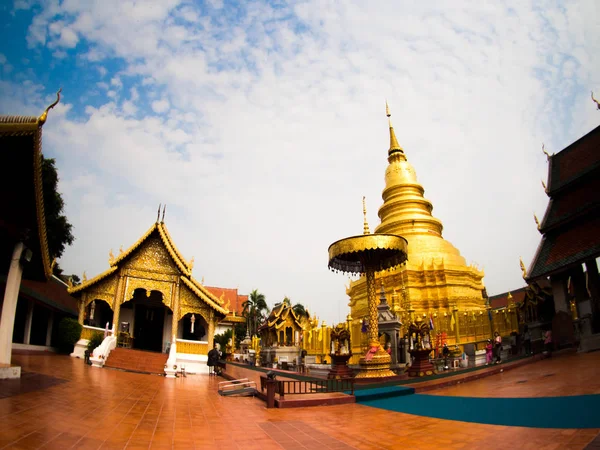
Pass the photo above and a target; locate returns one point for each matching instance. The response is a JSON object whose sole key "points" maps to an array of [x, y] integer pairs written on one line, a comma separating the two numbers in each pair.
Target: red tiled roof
{"points": [[229, 295], [569, 247], [581, 157], [501, 300]]}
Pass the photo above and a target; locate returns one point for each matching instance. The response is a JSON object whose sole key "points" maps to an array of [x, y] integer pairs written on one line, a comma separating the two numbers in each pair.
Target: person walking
{"points": [[498, 347], [489, 349]]}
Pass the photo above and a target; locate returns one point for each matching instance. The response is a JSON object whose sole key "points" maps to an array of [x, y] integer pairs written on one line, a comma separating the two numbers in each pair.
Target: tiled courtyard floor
{"points": [[103, 408]]}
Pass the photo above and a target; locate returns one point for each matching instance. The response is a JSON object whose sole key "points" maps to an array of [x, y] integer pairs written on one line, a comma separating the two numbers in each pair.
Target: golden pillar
{"points": [[81, 306], [456, 325], [349, 326], [211, 329], [175, 322], [324, 340], [118, 299]]}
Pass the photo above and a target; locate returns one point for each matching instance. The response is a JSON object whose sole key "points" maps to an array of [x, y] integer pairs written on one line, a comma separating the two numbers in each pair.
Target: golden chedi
{"points": [[436, 279]]}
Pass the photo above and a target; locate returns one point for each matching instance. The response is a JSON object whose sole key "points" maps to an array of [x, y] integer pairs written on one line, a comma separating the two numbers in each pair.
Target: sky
{"points": [[261, 125]]}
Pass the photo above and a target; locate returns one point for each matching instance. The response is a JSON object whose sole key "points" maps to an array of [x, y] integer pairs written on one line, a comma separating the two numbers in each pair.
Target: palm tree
{"points": [[300, 310], [253, 310]]}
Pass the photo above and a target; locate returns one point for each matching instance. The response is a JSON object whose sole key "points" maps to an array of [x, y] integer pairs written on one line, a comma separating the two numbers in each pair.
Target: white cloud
{"points": [[160, 106], [270, 137]]}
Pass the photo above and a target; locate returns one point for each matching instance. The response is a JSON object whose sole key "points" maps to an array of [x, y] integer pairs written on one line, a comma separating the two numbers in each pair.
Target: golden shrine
{"points": [[436, 281], [149, 294]]}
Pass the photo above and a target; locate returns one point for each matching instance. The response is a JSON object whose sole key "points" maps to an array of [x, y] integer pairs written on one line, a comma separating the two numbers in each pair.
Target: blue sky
{"points": [[262, 126]]}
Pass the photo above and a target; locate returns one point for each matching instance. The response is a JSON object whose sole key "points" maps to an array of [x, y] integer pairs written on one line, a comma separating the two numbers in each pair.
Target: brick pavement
{"points": [[109, 409]]}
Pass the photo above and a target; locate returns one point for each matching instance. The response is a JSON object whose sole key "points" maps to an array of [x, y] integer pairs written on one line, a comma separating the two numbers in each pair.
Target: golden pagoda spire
{"points": [[394, 146], [366, 224]]}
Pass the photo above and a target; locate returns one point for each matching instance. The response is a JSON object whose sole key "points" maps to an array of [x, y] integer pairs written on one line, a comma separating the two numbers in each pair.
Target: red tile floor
{"points": [[103, 408]]}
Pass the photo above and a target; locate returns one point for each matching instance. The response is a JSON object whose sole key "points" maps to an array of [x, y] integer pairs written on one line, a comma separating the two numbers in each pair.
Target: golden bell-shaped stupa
{"points": [[436, 278]]}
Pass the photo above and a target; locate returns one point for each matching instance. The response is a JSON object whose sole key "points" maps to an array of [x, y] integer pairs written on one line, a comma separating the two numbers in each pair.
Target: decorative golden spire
{"points": [[393, 141], [545, 152], [595, 101], [158, 213], [111, 256], [523, 268], [84, 277], [44, 116], [537, 222], [366, 224]]}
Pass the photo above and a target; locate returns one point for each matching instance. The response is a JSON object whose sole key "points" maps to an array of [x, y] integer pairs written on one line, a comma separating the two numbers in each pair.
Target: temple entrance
{"points": [[146, 320], [98, 313]]}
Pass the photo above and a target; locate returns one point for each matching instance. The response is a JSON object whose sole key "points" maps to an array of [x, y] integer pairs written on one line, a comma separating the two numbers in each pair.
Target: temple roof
{"points": [[502, 300], [22, 214], [52, 293], [279, 315], [571, 224]]}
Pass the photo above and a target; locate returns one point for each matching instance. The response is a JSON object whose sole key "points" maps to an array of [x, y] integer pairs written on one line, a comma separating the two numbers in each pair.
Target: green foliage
{"points": [[58, 227], [223, 338], [254, 310], [240, 333], [300, 310], [95, 341], [69, 331]]}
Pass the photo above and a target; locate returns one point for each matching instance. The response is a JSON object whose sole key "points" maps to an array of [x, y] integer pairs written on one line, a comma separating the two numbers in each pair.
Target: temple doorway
{"points": [[146, 320]]}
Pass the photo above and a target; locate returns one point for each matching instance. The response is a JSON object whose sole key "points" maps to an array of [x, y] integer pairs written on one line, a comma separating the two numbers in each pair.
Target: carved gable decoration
{"points": [[152, 256], [189, 303]]}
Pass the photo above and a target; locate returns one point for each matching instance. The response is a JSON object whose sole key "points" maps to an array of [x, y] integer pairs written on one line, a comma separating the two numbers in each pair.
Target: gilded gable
{"points": [[152, 256]]}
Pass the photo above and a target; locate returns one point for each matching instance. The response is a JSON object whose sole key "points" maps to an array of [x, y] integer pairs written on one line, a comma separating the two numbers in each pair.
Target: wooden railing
{"points": [[284, 387], [192, 347]]}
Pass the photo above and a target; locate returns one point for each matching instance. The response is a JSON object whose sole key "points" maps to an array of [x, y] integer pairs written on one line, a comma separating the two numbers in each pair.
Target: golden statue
{"points": [[595, 101]]}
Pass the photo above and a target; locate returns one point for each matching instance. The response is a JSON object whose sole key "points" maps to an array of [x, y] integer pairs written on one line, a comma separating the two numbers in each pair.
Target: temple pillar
{"points": [[117, 302], [81, 308], [324, 340], [28, 320], [9, 307], [349, 326], [593, 287], [559, 291], [211, 329], [175, 323], [49, 329], [456, 325]]}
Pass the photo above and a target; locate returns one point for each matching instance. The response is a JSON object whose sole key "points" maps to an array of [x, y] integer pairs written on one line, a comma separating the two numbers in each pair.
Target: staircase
{"points": [[137, 361]]}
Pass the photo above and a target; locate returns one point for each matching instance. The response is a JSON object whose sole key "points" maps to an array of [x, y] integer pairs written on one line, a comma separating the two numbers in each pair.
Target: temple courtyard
{"points": [[61, 403]]}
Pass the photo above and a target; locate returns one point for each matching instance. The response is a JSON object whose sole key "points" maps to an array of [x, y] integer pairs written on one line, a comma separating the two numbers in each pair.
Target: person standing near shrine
{"points": [[498, 347], [445, 354], [489, 348]]}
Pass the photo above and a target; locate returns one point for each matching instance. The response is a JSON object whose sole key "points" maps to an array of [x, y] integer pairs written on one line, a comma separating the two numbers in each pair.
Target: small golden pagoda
{"points": [[436, 281]]}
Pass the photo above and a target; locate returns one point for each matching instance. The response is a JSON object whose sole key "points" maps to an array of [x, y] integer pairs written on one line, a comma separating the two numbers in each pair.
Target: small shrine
{"points": [[420, 349], [281, 336], [341, 351]]}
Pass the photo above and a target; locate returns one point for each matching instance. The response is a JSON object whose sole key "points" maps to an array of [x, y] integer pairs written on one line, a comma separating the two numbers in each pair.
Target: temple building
{"points": [[150, 300], [33, 299], [570, 246], [436, 281]]}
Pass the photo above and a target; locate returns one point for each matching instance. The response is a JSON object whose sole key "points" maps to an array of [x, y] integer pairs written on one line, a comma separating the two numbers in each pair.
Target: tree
{"points": [[58, 228], [298, 308], [253, 310]]}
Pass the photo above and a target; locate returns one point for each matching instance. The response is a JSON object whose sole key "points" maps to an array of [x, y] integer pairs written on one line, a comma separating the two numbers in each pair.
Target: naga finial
{"points": [[111, 256], [121, 250], [84, 277], [44, 116], [595, 101], [545, 152], [53, 265], [163, 216], [523, 268], [366, 224], [158, 213], [537, 222], [544, 186], [191, 263]]}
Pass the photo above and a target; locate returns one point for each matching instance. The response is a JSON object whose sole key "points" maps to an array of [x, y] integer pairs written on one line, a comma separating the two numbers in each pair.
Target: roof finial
{"points": [[595, 101], [44, 116], [394, 146], [545, 152], [523, 268], [544, 186], [158, 213], [366, 224], [537, 222], [163, 216]]}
